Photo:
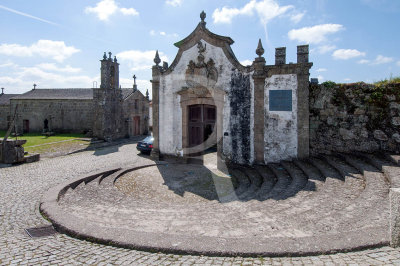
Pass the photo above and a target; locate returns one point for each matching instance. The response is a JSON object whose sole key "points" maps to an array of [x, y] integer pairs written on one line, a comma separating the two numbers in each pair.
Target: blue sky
{"points": [[58, 44]]}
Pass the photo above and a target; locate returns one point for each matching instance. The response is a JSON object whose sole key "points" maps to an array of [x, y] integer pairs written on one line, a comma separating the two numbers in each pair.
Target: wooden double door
{"points": [[201, 123]]}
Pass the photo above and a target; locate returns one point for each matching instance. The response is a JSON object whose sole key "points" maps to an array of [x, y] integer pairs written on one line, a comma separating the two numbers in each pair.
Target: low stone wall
{"points": [[354, 117]]}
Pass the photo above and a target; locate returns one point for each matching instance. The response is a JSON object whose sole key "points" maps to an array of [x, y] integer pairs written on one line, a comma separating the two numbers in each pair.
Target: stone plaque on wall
{"points": [[280, 100]]}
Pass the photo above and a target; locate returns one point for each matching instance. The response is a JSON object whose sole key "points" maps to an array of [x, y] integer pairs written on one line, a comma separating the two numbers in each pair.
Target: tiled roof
{"points": [[53, 94], [5, 98]]}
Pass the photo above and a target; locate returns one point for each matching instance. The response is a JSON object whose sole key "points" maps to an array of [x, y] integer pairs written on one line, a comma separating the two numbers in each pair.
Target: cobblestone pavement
{"points": [[21, 188]]}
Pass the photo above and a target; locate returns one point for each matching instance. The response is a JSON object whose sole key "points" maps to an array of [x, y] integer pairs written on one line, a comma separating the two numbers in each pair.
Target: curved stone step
{"points": [[255, 183], [327, 170], [371, 205], [299, 179], [393, 157], [269, 180], [284, 180], [344, 169], [241, 178], [309, 170], [390, 169]]}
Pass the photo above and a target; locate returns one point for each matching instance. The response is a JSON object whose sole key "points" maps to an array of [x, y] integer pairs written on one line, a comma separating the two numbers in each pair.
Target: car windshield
{"points": [[148, 139]]}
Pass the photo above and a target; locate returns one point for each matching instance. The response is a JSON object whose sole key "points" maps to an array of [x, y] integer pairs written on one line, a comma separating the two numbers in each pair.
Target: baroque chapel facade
{"points": [[252, 114]]}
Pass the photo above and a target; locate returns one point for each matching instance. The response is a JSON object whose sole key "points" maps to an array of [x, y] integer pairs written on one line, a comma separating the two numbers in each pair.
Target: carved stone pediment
{"points": [[201, 75]]}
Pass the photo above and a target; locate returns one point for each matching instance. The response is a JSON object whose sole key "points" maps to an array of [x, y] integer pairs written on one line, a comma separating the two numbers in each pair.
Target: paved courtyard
{"points": [[23, 186]]}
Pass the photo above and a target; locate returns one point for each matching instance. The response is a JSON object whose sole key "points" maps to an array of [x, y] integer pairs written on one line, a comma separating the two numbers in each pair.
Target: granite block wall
{"points": [[354, 117]]}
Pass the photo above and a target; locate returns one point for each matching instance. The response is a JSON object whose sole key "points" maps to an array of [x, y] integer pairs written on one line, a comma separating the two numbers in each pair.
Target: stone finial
{"points": [[260, 49], [157, 59], [147, 94], [202, 17], [105, 56], [115, 59], [34, 86], [134, 79], [109, 56], [2, 90]]}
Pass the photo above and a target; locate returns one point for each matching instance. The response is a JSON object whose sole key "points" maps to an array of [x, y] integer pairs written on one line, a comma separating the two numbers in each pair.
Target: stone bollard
{"points": [[394, 196]]}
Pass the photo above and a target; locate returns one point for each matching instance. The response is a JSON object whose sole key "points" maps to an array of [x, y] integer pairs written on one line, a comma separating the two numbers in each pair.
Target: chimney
{"points": [[2, 91], [280, 56]]}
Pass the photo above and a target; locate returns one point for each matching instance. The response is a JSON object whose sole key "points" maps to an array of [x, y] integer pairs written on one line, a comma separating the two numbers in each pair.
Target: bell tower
{"points": [[108, 114], [109, 72]]}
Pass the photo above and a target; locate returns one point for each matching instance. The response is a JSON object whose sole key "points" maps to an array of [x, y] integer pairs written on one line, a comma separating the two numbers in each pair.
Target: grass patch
{"points": [[391, 80], [33, 139]]}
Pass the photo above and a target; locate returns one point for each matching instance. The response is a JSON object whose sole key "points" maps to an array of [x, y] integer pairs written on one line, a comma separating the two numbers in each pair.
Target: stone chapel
{"points": [[206, 98]]}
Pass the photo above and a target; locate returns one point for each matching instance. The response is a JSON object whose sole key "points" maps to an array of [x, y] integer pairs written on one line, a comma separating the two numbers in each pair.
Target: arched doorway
{"points": [[201, 123]]}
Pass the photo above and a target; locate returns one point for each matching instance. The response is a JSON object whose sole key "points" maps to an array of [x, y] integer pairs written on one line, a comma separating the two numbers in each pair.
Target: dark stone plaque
{"points": [[280, 100]]}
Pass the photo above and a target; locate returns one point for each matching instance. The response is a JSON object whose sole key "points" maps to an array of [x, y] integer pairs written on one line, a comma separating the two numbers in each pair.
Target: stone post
{"points": [[259, 83], [394, 197], [155, 84], [303, 113], [280, 56]]}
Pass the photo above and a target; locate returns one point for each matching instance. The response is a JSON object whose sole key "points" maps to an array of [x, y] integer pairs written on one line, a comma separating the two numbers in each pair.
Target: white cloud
{"points": [[56, 50], [9, 64], [53, 67], [142, 84], [314, 34], [20, 81], [105, 8], [323, 49], [380, 59], [297, 17], [344, 54], [320, 78], [321, 70], [265, 9], [174, 2], [398, 63], [163, 33], [363, 61], [347, 79], [139, 60], [129, 11], [246, 62]]}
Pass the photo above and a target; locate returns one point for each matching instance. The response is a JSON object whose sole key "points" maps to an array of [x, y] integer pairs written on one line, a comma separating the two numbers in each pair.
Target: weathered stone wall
{"points": [[354, 117], [63, 115], [4, 113], [280, 138]]}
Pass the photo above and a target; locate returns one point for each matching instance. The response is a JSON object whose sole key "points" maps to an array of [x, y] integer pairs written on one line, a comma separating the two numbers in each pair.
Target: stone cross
{"points": [[34, 86], [109, 55], [134, 79]]}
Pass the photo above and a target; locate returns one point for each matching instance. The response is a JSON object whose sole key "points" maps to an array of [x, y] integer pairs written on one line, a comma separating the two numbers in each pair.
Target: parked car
{"points": [[146, 145]]}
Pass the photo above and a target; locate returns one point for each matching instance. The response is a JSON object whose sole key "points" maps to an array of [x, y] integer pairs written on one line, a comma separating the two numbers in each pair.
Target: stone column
{"points": [[259, 84], [155, 84]]}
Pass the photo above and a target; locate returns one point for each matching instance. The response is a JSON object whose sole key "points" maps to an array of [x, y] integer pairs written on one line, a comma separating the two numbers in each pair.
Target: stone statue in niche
{"points": [[201, 76]]}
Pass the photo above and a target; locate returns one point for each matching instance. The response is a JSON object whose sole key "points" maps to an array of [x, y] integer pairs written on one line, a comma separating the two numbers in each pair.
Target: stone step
{"points": [[241, 179], [269, 180], [393, 157], [309, 170], [300, 180], [345, 170], [388, 167], [326, 170], [283, 181], [372, 204], [255, 183]]}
